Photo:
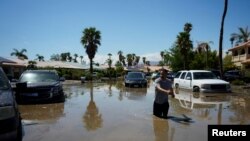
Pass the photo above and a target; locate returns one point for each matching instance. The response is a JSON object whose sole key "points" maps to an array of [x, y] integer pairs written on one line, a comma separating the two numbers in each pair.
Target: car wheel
{"points": [[126, 85], [196, 89], [176, 85], [20, 131]]}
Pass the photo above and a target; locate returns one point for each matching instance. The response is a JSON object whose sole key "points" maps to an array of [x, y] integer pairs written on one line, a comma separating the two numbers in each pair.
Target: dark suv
{"points": [[39, 85], [10, 120], [232, 75]]}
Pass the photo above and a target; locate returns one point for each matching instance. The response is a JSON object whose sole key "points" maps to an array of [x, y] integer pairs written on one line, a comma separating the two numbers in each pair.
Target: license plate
{"points": [[30, 94], [136, 85]]}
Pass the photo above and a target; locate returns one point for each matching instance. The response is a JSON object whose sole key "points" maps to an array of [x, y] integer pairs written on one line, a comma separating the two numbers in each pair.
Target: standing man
{"points": [[163, 88]]}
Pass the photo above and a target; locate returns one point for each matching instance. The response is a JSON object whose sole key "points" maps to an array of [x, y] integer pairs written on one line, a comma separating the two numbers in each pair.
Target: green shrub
{"points": [[238, 82]]}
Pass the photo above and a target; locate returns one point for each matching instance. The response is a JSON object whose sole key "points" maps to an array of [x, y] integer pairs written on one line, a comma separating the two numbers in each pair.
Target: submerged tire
{"points": [[196, 89]]}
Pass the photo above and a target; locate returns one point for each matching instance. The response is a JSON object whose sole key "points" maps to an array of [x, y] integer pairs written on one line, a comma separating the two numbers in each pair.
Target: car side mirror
{"points": [[13, 80], [188, 78]]}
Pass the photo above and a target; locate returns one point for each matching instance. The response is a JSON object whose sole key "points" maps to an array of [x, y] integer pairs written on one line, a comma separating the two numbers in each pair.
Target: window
{"points": [[189, 75], [235, 53], [177, 75], [183, 75], [242, 51]]}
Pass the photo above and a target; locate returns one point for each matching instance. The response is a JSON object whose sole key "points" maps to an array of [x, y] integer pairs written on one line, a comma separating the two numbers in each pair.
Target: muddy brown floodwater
{"points": [[110, 112]]}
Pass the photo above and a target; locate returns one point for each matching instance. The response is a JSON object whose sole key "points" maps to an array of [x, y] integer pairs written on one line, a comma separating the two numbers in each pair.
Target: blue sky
{"points": [[143, 27]]}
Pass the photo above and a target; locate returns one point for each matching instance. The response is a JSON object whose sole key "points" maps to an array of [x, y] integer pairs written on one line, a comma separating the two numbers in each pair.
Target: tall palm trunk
{"points": [[91, 66], [221, 38]]}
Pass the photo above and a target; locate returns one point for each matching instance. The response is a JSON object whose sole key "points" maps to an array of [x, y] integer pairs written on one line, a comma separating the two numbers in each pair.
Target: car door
{"points": [[187, 82], [181, 80]]}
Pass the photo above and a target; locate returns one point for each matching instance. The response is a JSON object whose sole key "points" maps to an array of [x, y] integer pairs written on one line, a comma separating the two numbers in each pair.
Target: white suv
{"points": [[200, 81]]}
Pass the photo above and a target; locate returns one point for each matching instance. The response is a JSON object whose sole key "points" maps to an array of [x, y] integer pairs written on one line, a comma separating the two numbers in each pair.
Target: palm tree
{"points": [[32, 65], [129, 59], [75, 59], [19, 54], [204, 46], [40, 57], [242, 36], [81, 57], [162, 56], [109, 60], [188, 27], [185, 44], [221, 38], [91, 39], [144, 60], [120, 56]]}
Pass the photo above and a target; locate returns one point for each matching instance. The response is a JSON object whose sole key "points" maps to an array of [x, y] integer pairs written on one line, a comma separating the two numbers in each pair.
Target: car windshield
{"points": [[33, 77], [204, 75], [134, 75], [4, 84], [233, 72]]}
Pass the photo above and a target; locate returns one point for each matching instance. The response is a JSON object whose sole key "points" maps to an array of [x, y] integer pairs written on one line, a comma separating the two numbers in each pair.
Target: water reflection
{"points": [[202, 104], [42, 112], [240, 106], [191, 100], [161, 130], [135, 93], [92, 118]]}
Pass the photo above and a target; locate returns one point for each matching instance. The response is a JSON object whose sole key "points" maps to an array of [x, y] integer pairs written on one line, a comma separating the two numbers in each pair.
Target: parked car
{"points": [[216, 73], [10, 120], [37, 85], [200, 81], [156, 75], [136, 79], [232, 75]]}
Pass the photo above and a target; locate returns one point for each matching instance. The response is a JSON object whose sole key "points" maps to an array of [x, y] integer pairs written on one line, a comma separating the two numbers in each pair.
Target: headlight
{"points": [[228, 86], [55, 90], [205, 86], [7, 112]]}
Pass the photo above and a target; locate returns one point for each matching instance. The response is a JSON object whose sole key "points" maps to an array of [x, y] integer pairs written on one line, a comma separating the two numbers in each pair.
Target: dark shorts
{"points": [[161, 110]]}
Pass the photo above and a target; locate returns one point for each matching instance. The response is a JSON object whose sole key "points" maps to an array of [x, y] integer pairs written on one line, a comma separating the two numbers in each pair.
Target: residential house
{"points": [[241, 55]]}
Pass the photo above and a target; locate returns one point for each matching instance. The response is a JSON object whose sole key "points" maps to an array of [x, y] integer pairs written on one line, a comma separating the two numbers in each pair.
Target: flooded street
{"points": [[111, 112]]}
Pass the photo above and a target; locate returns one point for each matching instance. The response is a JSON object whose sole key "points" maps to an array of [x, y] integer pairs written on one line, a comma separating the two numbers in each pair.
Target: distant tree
{"points": [[188, 27], [129, 59], [242, 36], [40, 57], [75, 59], [55, 57], [31, 65], [144, 60], [19, 54], [81, 57], [91, 39], [63, 56], [176, 62], [227, 63], [221, 38], [167, 58], [184, 43], [162, 56], [204, 46], [148, 63], [137, 60], [109, 61]]}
